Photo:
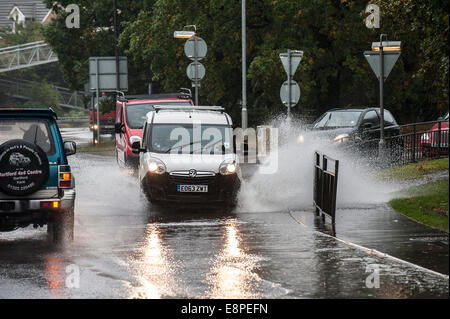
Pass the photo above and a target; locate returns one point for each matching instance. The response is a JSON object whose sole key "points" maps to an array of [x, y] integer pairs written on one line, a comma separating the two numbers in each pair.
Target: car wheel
{"points": [[60, 228], [122, 165]]}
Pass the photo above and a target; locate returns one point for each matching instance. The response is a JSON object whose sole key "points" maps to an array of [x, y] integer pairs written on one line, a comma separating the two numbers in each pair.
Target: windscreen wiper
{"points": [[214, 144], [177, 146]]}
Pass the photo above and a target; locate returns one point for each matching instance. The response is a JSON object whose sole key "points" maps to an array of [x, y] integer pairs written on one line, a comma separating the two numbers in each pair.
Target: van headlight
{"points": [[155, 166], [341, 138], [228, 168]]}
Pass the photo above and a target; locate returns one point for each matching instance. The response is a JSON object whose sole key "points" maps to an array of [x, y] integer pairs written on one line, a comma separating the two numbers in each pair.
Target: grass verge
{"points": [[104, 148], [415, 170], [426, 204]]}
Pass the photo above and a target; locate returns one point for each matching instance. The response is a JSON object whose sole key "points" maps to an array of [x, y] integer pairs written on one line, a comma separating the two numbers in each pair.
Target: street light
{"points": [[382, 59], [184, 34]]}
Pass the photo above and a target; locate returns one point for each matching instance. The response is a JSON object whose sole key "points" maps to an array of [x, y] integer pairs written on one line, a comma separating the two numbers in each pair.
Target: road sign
{"points": [[102, 73], [190, 71], [296, 57], [189, 48], [389, 60], [295, 93]]}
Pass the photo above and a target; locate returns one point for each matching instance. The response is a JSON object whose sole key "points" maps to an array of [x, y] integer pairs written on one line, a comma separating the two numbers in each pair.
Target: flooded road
{"points": [[125, 248]]}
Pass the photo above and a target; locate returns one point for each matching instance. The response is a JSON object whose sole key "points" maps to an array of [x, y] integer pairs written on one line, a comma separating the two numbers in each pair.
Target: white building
{"points": [[13, 12]]}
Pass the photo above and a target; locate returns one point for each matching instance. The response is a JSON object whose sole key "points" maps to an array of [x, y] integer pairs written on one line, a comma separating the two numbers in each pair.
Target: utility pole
{"points": [[244, 68]]}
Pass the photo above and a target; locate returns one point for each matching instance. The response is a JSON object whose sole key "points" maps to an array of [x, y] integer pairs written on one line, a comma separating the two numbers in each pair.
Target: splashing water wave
{"points": [[291, 187]]}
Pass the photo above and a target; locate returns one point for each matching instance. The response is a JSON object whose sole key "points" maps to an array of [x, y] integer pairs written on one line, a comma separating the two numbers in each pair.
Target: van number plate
{"points": [[192, 188]]}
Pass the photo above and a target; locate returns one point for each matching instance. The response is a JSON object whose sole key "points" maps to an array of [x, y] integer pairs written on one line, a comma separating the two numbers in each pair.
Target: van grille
{"points": [[199, 180]]}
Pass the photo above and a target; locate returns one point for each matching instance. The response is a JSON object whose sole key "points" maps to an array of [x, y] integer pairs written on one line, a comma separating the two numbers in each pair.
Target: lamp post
{"points": [[116, 50], [244, 68]]}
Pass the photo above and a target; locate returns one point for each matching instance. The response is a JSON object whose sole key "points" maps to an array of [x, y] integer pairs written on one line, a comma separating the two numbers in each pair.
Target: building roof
{"points": [[33, 9]]}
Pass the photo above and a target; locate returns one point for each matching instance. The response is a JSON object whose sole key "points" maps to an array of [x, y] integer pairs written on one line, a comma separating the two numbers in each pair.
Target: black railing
{"points": [[427, 140], [325, 187], [416, 142]]}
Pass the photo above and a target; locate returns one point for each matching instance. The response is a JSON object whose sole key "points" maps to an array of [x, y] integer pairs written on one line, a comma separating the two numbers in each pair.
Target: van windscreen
{"points": [[191, 139], [136, 113]]}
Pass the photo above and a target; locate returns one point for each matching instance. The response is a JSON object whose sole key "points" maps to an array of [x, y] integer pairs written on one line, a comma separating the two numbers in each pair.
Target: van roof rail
{"points": [[188, 108], [184, 94]]}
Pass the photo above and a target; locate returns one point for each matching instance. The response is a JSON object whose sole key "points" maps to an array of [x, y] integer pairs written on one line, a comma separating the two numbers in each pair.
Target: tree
{"points": [[95, 37], [22, 35], [149, 41], [423, 26], [43, 95], [332, 34]]}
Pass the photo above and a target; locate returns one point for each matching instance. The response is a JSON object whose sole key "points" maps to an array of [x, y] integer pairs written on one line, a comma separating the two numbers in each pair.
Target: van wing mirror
{"points": [[136, 147], [119, 128], [234, 144]]}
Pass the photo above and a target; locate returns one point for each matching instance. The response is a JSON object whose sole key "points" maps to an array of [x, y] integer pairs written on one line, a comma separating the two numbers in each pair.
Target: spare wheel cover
{"points": [[24, 167]]}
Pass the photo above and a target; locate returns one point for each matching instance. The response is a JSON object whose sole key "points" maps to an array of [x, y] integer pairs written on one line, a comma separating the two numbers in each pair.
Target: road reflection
{"points": [[232, 275], [154, 272], [54, 274]]}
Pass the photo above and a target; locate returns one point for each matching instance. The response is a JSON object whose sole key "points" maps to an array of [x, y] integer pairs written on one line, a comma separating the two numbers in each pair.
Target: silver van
{"points": [[188, 156]]}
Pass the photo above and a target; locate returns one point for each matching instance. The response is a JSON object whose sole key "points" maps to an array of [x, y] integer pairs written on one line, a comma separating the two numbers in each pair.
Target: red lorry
{"points": [[129, 119], [107, 121]]}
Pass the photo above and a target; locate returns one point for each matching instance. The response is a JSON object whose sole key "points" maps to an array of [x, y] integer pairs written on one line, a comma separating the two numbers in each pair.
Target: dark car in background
{"points": [[355, 124], [360, 127]]}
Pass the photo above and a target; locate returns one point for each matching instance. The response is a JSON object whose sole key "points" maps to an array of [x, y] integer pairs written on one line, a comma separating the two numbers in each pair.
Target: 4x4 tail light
{"points": [[50, 204], [64, 176]]}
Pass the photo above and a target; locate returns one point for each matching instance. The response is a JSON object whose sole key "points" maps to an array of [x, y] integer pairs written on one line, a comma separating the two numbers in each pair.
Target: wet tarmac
{"points": [[125, 248]]}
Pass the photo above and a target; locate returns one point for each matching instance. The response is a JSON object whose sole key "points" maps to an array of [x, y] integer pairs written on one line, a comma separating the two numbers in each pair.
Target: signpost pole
{"points": [[94, 119], [382, 141], [290, 91], [196, 69], [289, 84], [382, 63], [98, 102]]}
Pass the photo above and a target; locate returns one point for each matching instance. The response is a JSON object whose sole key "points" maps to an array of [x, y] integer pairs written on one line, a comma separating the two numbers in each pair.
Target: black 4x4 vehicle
{"points": [[36, 184]]}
